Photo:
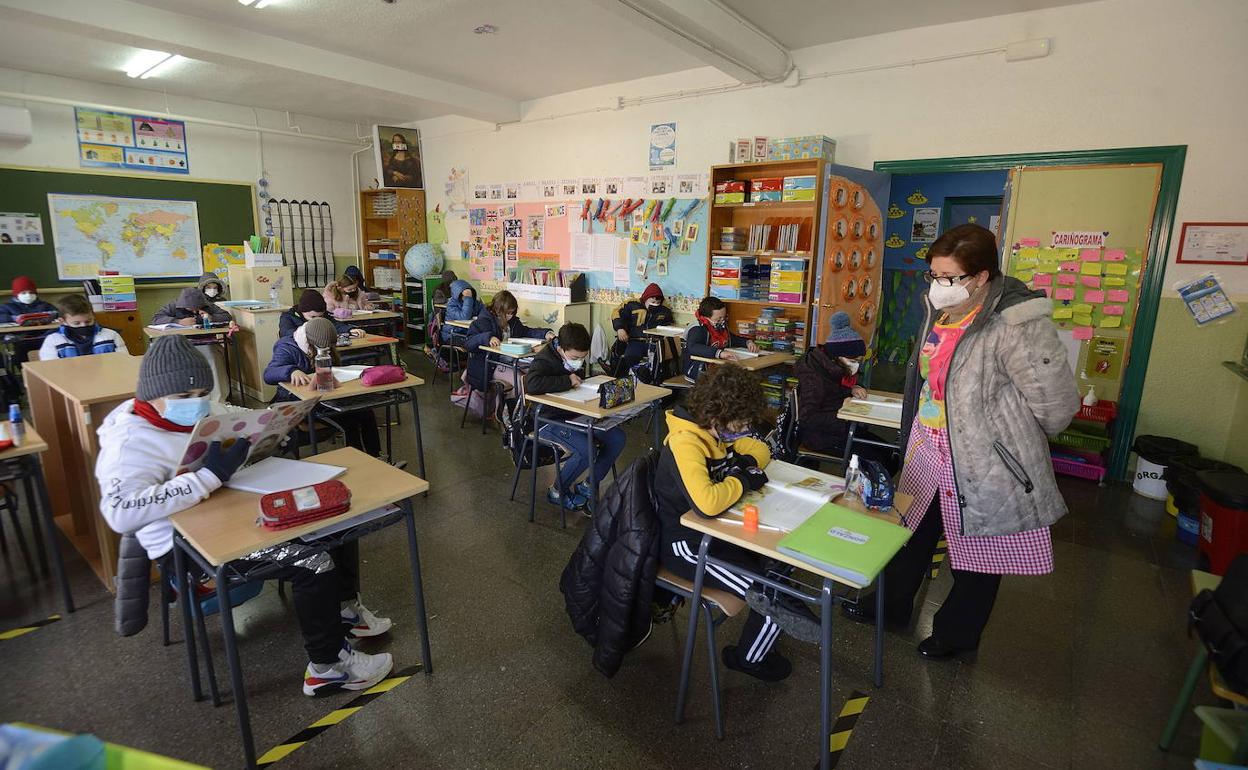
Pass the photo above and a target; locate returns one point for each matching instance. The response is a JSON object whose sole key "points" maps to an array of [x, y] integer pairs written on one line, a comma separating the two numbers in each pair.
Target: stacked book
{"points": [[732, 238], [776, 387], [117, 292], [776, 332]]}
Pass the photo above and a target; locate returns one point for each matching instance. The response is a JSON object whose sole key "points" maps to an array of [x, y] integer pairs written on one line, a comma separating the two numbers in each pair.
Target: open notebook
{"points": [[791, 495], [587, 391], [742, 352]]}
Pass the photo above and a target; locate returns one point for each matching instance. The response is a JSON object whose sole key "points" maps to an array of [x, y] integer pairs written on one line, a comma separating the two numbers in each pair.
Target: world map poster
{"points": [[142, 237]]}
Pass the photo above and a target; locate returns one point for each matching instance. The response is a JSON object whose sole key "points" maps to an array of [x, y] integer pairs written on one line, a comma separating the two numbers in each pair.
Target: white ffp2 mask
{"points": [[947, 296]]}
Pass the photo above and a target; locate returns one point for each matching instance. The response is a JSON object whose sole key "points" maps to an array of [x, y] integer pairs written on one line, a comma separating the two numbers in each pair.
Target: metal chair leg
{"points": [[713, 664], [467, 403], [1185, 697], [515, 477], [201, 630], [21, 546]]}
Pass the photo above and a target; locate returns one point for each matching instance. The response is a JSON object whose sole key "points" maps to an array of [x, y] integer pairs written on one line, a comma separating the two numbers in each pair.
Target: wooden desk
{"points": [[856, 413], [32, 328], [671, 335], [225, 335], [762, 361], [259, 324], [644, 394], [69, 399], [372, 341], [510, 361], [24, 462], [459, 324], [356, 388], [223, 528], [385, 319]]}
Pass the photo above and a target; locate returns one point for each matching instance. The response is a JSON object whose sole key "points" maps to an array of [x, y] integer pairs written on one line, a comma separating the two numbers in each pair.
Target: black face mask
{"points": [[80, 334]]}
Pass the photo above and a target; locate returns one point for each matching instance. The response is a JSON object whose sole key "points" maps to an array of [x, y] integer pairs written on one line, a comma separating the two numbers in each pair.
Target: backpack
{"points": [[517, 424], [782, 440], [1220, 617]]}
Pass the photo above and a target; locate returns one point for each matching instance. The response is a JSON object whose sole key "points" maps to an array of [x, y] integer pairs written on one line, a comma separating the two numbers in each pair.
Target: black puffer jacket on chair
{"points": [[608, 584]]}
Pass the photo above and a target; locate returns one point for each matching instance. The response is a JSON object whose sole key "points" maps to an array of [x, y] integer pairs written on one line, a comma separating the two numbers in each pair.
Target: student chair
{"points": [[8, 502], [791, 436], [717, 606]]}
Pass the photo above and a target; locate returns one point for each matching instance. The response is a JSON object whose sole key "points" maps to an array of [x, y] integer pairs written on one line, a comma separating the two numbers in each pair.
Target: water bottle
{"points": [[853, 481], [324, 370], [18, 427]]}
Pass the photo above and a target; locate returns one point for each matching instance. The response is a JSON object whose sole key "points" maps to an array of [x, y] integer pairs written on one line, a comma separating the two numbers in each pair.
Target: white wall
{"points": [[300, 169], [1123, 73]]}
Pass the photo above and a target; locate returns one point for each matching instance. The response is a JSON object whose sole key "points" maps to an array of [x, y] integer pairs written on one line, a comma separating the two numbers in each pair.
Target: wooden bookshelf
{"points": [[399, 231]]}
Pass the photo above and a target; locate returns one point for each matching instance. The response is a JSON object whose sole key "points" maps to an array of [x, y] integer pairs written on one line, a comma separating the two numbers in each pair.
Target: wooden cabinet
{"points": [[394, 220], [127, 323]]}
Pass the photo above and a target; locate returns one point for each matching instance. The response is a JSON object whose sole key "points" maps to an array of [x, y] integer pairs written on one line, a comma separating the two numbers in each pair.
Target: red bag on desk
{"points": [[293, 507], [382, 375]]}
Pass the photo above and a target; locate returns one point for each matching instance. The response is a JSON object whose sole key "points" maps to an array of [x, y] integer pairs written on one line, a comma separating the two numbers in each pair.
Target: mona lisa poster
{"points": [[397, 154]]}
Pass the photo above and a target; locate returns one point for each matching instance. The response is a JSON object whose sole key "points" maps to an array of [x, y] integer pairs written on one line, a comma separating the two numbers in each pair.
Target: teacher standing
{"points": [[989, 381]]}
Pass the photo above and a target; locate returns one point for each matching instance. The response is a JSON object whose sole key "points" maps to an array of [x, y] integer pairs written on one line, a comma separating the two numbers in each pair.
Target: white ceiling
{"points": [[364, 61]]}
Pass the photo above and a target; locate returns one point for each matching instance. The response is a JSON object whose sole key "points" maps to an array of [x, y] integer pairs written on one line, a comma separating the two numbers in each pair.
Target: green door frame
{"points": [[965, 200], [1171, 159]]}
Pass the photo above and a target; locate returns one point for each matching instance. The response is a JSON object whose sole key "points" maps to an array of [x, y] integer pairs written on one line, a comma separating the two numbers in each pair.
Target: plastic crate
{"points": [[1103, 411], [1077, 440], [1082, 470]]}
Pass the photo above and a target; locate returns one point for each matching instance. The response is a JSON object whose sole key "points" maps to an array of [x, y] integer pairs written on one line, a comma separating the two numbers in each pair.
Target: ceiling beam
{"points": [[142, 26]]}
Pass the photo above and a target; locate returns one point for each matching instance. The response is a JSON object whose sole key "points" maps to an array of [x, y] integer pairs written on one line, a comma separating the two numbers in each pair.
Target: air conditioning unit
{"points": [[15, 127]]}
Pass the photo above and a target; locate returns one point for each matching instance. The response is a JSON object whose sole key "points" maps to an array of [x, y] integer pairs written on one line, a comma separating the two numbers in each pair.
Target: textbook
{"points": [[792, 494], [587, 391], [845, 543], [265, 427]]}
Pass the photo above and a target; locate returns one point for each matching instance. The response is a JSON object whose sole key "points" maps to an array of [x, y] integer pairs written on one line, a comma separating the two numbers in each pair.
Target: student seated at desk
{"points": [[25, 300], [489, 330], [311, 305], [554, 370], [442, 292], [630, 323], [710, 338], [708, 462], [141, 445], [826, 376], [79, 334], [462, 305], [213, 287], [294, 363], [344, 296], [191, 308]]}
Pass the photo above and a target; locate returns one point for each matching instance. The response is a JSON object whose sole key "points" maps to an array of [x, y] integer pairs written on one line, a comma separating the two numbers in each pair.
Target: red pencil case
{"points": [[292, 507]]}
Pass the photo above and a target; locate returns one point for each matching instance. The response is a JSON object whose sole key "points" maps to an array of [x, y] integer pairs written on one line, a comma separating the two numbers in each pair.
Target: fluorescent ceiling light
{"points": [[162, 67], [255, 4], [144, 61]]}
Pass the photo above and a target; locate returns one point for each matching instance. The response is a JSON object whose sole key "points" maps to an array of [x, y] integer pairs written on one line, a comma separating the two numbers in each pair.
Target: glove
{"points": [[752, 479], [742, 461], [223, 462]]}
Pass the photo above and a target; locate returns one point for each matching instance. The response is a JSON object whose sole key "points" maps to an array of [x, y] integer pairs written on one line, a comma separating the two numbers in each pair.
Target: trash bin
{"points": [[1153, 455], [1223, 517], [1184, 488]]}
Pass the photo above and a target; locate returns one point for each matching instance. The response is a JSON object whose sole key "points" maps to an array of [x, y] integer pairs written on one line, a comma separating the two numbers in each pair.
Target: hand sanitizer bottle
{"points": [[853, 481]]}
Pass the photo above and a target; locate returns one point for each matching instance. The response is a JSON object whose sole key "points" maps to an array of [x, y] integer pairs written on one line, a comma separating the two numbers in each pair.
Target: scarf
{"points": [[149, 413], [301, 339], [716, 338]]}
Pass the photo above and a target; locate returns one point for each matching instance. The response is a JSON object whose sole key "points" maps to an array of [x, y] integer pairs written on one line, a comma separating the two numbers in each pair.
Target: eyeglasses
{"points": [[944, 280]]}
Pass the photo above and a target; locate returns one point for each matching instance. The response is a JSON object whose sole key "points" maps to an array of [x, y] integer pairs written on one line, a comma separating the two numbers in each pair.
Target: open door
{"points": [[852, 248]]}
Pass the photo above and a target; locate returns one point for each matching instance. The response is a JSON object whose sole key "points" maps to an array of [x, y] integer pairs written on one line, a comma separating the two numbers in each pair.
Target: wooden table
{"points": [[22, 332], [223, 528], [354, 387], [373, 341], [668, 334], [764, 542], [380, 318], [854, 412], [225, 335], [761, 361], [645, 394], [69, 399], [23, 462]]}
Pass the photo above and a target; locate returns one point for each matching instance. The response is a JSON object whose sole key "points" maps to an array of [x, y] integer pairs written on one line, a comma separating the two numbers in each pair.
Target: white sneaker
{"points": [[362, 621], [353, 671]]}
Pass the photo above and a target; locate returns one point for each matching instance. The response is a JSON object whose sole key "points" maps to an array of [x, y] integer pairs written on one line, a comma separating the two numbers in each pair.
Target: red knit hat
{"points": [[23, 283], [652, 290]]}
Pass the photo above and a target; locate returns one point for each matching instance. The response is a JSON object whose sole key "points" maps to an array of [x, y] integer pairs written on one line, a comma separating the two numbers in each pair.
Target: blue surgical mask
{"points": [[571, 365], [730, 436], [186, 411]]}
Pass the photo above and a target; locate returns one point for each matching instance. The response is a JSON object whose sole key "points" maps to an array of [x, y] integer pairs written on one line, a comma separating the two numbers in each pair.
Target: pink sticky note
{"points": [[1118, 295], [1091, 281], [1070, 267], [1066, 279], [1090, 255], [1094, 297], [1048, 291], [1031, 243], [1081, 332], [1115, 255], [1112, 310], [1064, 294], [1042, 279]]}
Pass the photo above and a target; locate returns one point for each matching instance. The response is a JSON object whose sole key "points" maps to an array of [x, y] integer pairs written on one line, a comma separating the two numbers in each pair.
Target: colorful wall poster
{"points": [[662, 146], [1206, 299], [926, 225], [136, 142], [21, 229]]}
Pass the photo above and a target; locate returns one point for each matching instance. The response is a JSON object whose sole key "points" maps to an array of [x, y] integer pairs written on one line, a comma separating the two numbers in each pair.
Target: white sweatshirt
{"points": [[138, 491]]}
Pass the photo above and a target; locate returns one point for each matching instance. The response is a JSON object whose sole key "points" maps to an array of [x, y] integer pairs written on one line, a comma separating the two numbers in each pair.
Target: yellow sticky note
{"points": [[1047, 267], [1024, 275], [1029, 252], [1082, 319], [1062, 314], [1111, 322], [1114, 281], [1090, 268], [1114, 268], [1082, 307]]}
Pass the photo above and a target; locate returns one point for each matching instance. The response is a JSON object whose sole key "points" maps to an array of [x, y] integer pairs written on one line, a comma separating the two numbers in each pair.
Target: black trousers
{"points": [[962, 617], [361, 430]]}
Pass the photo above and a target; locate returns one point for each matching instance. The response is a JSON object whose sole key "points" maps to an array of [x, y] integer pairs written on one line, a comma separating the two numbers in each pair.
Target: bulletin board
{"points": [[504, 236]]}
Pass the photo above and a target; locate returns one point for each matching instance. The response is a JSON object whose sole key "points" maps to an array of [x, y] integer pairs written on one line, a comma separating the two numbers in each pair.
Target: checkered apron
{"points": [[928, 472]]}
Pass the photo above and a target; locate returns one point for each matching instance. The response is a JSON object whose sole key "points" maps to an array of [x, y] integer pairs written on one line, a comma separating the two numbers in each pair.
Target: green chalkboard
{"points": [[226, 213]]}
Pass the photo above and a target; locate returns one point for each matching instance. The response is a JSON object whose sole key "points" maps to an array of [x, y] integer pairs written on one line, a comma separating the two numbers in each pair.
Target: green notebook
{"points": [[845, 543]]}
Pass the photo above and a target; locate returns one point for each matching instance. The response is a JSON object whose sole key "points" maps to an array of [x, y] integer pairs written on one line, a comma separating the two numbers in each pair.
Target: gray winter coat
{"points": [[1009, 384]]}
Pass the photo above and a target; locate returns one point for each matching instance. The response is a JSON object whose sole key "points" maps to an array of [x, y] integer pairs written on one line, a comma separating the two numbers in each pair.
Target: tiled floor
{"points": [[1077, 669]]}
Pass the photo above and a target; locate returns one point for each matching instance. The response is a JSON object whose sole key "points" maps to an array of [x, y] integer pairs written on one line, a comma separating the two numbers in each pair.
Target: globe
{"points": [[423, 259]]}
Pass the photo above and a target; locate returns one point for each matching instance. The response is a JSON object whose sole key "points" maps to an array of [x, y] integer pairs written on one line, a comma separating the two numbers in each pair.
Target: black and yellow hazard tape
{"points": [[938, 556], [13, 633], [286, 747], [843, 727]]}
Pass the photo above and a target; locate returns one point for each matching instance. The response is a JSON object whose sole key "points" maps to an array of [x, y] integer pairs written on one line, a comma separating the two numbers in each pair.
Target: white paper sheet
{"points": [[582, 252], [604, 250], [276, 474]]}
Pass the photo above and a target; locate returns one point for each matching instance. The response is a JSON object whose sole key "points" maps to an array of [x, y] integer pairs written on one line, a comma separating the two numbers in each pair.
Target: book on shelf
{"points": [[845, 543], [792, 493]]}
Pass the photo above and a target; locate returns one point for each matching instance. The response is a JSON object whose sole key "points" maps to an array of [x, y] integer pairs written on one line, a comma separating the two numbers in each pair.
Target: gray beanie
{"points": [[170, 366], [321, 333], [192, 299]]}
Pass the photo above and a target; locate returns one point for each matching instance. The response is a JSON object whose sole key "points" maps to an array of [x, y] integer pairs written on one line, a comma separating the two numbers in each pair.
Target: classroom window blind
{"points": [[307, 232]]}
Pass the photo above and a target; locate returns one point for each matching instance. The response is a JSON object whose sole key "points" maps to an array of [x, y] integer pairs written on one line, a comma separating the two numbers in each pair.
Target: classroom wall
{"points": [[1122, 73]]}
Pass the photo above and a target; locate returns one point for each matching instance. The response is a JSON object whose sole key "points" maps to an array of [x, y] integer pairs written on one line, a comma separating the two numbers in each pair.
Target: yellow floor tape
{"points": [[13, 633], [843, 727]]}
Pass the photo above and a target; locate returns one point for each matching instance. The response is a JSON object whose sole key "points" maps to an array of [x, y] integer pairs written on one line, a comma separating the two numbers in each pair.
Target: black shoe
{"points": [[934, 649], [773, 668], [864, 612], [792, 615]]}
